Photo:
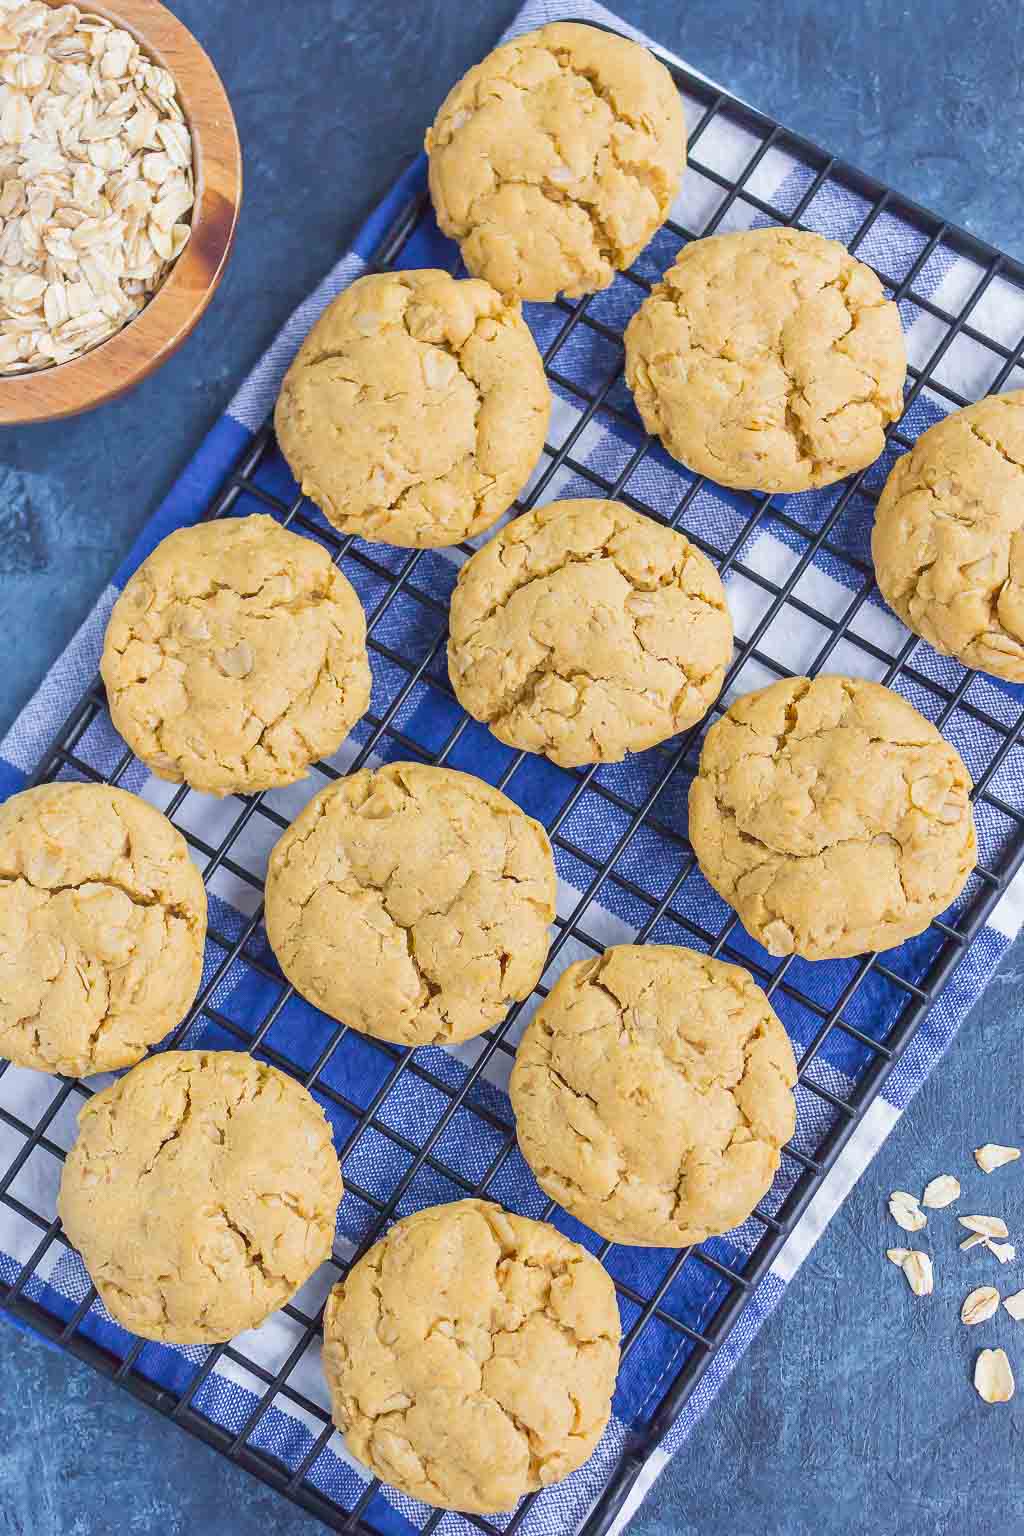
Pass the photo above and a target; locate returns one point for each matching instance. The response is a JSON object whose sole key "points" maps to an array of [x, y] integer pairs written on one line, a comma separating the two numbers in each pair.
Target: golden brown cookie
{"points": [[202, 1192], [102, 926], [652, 1092], [584, 631], [415, 409], [832, 816], [412, 903], [948, 542], [471, 1356], [768, 360], [235, 657], [554, 160]]}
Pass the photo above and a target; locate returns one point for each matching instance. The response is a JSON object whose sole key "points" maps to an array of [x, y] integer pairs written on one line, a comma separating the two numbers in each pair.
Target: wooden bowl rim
{"points": [[145, 343]]}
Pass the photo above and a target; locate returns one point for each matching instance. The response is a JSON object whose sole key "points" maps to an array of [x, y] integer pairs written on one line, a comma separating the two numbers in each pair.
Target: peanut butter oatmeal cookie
{"points": [[416, 408], [202, 1192], [652, 1092], [554, 160], [441, 886], [768, 360], [832, 816], [948, 542], [102, 925], [584, 631], [471, 1356], [236, 656]]}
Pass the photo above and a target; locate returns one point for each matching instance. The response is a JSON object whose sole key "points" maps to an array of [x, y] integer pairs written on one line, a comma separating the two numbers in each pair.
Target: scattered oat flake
{"points": [[1015, 1306], [991, 1156], [897, 1255], [993, 1378], [973, 1241], [941, 1192], [988, 1226], [980, 1305], [905, 1210], [96, 182], [917, 1267], [1004, 1252]]}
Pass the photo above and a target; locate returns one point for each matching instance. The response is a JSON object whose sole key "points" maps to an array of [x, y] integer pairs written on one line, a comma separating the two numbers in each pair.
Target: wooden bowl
{"points": [[132, 354]]}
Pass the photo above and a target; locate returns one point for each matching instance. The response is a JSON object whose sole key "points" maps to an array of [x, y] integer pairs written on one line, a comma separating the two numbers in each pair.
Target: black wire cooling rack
{"points": [[728, 191]]}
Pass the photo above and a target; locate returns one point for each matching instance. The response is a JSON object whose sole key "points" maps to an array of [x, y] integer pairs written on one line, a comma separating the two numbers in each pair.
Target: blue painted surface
{"points": [[853, 1411]]}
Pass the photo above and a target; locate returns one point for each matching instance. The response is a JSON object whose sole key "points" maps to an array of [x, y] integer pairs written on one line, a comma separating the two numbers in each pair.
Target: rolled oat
{"points": [[96, 182]]}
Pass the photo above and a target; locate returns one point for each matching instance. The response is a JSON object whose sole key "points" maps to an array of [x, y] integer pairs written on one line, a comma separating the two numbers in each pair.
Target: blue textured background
{"points": [[853, 1411]]}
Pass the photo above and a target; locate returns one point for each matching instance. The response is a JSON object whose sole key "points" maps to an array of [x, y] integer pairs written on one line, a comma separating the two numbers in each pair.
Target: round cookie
{"points": [[441, 885], [102, 926], [415, 409], [768, 360], [202, 1192], [948, 541], [584, 631], [652, 1092], [832, 816], [235, 657], [554, 160], [471, 1356]]}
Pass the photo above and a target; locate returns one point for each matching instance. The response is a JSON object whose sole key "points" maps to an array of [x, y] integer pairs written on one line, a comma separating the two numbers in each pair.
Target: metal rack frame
{"points": [[808, 1170]]}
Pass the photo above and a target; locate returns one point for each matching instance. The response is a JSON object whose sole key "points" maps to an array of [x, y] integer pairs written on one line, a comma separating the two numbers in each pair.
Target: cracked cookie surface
{"points": [[948, 541], [202, 1192], [102, 926], [584, 630], [412, 903], [554, 160], [832, 816], [768, 360], [652, 1092], [471, 1356], [415, 409], [236, 656]]}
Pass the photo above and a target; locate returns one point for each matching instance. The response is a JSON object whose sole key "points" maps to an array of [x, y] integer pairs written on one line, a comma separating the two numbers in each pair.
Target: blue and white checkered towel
{"points": [[830, 584]]}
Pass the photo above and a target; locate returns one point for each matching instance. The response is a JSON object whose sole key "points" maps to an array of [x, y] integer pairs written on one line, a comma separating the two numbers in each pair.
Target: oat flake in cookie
{"points": [[768, 360], [554, 160], [412, 903], [471, 1356], [584, 630], [652, 1092], [415, 409], [202, 1192], [948, 542], [832, 816], [102, 925], [236, 656]]}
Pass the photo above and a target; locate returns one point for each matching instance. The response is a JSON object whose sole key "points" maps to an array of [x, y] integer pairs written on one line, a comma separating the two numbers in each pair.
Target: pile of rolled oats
{"points": [[96, 181], [993, 1374]]}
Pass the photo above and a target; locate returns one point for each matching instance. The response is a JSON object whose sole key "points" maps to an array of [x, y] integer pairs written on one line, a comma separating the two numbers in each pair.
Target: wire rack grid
{"points": [[875, 1003]]}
